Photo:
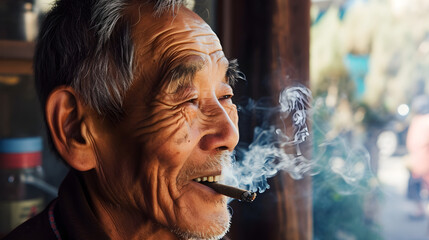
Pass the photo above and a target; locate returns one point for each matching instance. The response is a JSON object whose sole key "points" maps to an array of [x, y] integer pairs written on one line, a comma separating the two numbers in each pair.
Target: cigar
{"points": [[232, 192]]}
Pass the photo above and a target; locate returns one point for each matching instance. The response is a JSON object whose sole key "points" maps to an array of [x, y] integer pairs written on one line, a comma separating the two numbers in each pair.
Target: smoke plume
{"points": [[270, 150], [267, 154]]}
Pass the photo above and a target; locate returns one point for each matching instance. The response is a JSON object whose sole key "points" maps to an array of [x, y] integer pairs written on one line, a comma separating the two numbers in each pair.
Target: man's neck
{"points": [[121, 223]]}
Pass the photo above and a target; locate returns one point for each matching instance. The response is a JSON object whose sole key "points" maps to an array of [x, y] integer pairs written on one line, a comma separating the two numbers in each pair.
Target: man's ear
{"points": [[65, 115]]}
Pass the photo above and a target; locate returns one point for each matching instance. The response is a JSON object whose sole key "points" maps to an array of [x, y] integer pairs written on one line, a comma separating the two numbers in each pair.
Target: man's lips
{"points": [[198, 183], [208, 178]]}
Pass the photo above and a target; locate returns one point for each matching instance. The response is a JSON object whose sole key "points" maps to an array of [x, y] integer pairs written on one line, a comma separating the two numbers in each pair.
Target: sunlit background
{"points": [[369, 64]]}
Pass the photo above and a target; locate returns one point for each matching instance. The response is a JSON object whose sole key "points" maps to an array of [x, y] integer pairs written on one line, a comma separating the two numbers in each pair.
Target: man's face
{"points": [[148, 161]]}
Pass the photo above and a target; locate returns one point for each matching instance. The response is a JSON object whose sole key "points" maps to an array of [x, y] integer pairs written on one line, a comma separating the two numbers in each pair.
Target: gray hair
{"points": [[87, 45]]}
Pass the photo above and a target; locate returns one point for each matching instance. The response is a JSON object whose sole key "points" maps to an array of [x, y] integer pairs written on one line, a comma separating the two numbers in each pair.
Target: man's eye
{"points": [[226, 97], [193, 101]]}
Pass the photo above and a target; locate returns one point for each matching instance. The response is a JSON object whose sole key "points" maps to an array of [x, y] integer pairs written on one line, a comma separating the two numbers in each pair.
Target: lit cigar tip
{"points": [[248, 196]]}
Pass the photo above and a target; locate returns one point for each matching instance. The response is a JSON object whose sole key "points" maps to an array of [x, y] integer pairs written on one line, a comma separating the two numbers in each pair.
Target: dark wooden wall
{"points": [[270, 39]]}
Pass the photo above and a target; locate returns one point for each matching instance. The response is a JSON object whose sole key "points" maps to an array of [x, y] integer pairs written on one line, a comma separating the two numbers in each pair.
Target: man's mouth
{"points": [[214, 178], [212, 182]]}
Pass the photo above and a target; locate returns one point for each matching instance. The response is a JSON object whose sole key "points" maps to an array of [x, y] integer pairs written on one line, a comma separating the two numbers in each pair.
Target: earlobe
{"points": [[65, 116]]}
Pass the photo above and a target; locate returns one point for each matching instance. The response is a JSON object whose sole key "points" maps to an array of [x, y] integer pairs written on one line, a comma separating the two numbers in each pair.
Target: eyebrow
{"points": [[233, 73], [182, 76]]}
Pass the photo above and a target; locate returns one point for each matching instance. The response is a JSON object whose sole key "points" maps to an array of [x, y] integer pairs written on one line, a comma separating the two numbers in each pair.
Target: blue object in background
{"points": [[342, 9], [358, 67], [21, 145]]}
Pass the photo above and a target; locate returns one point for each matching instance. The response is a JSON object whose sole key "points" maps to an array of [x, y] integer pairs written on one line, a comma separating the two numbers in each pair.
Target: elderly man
{"points": [[137, 100]]}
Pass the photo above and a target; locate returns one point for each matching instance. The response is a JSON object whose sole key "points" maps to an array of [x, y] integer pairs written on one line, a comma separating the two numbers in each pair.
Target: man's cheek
{"points": [[172, 144], [155, 196], [179, 133], [158, 127]]}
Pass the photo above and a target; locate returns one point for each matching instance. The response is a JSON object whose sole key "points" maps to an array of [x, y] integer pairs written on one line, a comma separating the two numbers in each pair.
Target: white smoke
{"points": [[270, 151], [267, 155]]}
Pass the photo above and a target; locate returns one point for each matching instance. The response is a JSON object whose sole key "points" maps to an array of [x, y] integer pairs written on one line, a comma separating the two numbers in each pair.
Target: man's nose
{"points": [[221, 131]]}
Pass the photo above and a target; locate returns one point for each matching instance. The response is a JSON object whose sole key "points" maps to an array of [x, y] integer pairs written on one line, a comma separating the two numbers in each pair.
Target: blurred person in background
{"points": [[418, 148]]}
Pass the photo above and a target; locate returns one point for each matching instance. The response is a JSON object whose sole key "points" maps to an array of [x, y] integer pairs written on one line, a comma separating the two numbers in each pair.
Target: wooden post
{"points": [[271, 41], [289, 64]]}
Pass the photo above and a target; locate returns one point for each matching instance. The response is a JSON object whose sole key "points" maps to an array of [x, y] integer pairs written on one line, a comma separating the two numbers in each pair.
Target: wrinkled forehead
{"points": [[176, 39]]}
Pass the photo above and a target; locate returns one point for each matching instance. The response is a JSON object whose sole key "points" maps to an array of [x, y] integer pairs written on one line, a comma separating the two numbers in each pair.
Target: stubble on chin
{"points": [[215, 231]]}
